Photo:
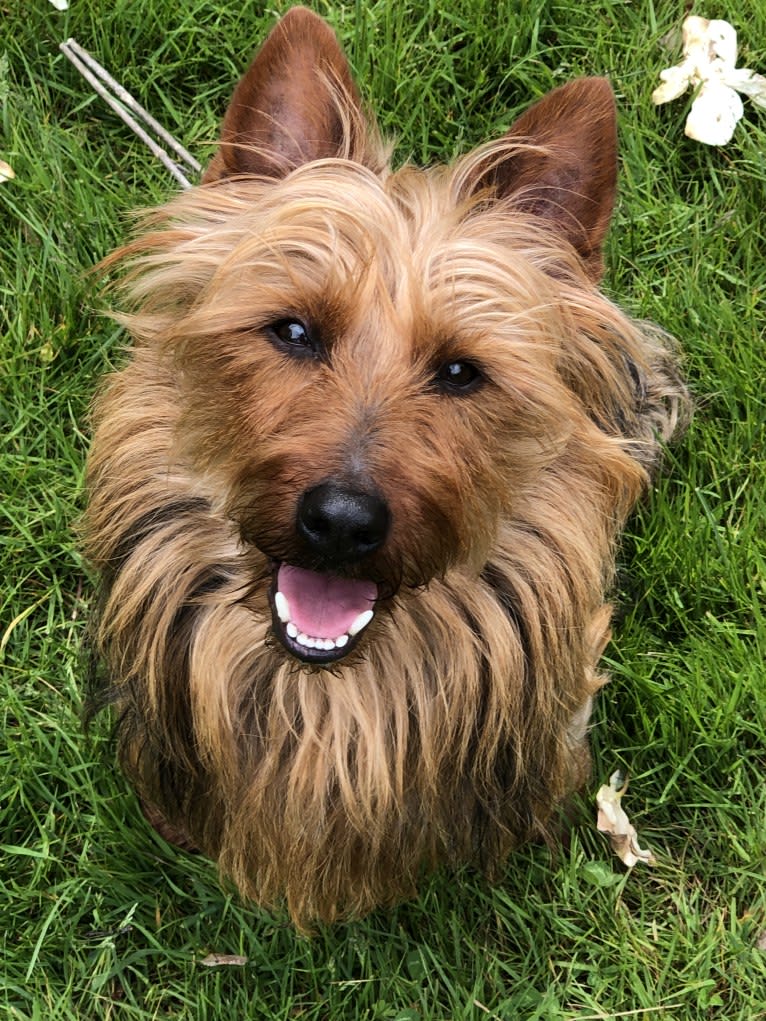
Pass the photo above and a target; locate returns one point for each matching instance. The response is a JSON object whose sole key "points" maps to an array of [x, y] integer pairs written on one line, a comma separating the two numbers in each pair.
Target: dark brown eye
{"points": [[458, 377], [293, 337]]}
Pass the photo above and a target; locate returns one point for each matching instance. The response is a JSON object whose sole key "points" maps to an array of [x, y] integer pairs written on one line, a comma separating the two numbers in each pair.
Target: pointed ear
{"points": [[566, 168], [296, 103]]}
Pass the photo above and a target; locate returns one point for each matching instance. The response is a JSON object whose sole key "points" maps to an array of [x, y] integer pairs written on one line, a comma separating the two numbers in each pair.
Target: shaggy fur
{"points": [[459, 367]]}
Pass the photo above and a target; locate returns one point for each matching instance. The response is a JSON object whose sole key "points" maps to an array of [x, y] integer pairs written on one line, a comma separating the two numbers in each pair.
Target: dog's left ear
{"points": [[296, 103], [561, 165]]}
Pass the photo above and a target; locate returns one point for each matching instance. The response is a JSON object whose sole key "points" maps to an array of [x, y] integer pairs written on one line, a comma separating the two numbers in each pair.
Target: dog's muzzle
{"points": [[320, 614]]}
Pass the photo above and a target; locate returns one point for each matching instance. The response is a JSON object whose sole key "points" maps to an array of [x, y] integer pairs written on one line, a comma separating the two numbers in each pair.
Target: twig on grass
{"points": [[638, 1012], [102, 82]]}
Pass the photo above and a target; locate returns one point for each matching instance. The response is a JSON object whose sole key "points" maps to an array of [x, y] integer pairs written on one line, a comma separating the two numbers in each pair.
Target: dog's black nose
{"points": [[341, 524]]}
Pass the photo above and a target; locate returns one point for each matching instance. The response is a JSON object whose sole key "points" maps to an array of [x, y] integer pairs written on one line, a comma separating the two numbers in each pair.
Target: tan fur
{"points": [[458, 723]]}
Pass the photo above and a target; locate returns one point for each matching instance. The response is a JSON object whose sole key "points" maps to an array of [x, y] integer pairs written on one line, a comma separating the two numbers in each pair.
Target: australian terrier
{"points": [[354, 499]]}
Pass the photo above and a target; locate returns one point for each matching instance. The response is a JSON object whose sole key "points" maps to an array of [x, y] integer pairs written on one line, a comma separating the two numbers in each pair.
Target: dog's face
{"points": [[375, 363], [389, 389]]}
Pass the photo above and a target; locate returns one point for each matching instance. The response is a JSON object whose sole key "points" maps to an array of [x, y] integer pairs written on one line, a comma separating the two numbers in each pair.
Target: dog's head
{"points": [[376, 369]]}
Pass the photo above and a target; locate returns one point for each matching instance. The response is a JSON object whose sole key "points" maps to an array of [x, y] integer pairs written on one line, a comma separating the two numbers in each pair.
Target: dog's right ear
{"points": [[296, 103]]}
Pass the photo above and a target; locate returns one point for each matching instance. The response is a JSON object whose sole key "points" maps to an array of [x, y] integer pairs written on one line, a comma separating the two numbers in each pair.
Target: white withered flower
{"points": [[709, 65]]}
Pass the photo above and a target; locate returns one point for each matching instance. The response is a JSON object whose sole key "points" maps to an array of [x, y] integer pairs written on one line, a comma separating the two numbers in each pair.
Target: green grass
{"points": [[99, 919]]}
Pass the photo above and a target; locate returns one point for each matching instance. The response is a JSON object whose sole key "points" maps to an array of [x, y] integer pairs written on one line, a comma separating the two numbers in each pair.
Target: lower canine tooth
{"points": [[282, 607], [361, 622]]}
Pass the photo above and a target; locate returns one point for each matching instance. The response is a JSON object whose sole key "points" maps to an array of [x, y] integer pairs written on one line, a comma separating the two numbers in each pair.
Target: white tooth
{"points": [[361, 622], [302, 639], [292, 630], [341, 641], [282, 607], [328, 644]]}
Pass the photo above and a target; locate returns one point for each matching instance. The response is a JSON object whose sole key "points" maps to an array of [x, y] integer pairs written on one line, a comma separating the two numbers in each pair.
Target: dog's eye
{"points": [[293, 336], [458, 377]]}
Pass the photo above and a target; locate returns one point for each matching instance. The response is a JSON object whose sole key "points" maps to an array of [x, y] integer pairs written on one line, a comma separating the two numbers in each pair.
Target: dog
{"points": [[354, 498]]}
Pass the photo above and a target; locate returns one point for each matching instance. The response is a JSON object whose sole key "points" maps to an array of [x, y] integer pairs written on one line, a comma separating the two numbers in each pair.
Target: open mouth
{"points": [[319, 617]]}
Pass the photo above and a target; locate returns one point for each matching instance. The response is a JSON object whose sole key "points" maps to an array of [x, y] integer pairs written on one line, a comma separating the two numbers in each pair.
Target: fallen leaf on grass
{"points": [[613, 821], [6, 171], [219, 960]]}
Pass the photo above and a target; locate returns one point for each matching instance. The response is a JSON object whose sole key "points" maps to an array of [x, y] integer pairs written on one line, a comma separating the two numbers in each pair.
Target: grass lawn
{"points": [[98, 918]]}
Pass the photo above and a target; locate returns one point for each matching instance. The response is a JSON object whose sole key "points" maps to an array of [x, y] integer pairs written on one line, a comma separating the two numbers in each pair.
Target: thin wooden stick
{"points": [[101, 82], [639, 1011]]}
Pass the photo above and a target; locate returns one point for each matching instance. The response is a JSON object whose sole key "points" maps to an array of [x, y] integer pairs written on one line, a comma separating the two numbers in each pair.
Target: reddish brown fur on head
{"points": [[390, 392]]}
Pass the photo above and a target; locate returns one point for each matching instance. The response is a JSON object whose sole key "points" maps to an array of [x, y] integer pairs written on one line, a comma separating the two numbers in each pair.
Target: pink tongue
{"points": [[322, 606]]}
